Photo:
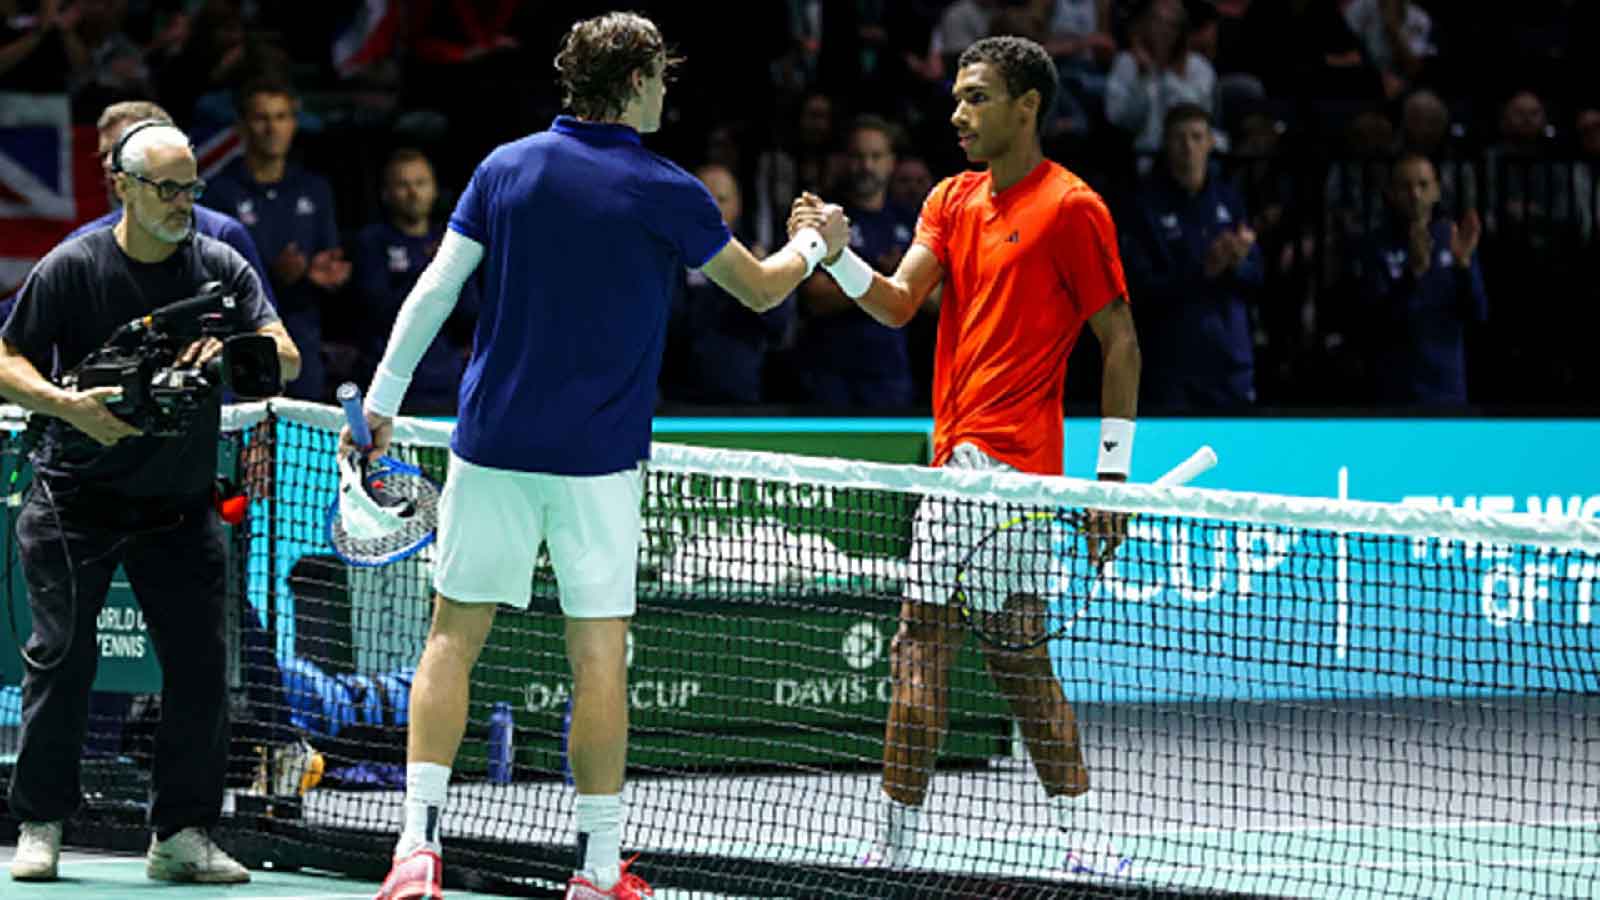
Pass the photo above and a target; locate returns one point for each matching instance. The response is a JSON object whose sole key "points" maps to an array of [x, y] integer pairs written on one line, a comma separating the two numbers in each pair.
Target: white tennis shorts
{"points": [[492, 521], [947, 530]]}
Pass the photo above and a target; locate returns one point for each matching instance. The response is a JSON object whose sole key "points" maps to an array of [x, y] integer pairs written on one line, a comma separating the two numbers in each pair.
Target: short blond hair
{"points": [[130, 111]]}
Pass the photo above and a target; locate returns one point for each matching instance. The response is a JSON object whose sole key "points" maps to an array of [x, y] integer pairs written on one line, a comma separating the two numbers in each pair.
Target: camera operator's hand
{"points": [[199, 353], [382, 428], [86, 411]]}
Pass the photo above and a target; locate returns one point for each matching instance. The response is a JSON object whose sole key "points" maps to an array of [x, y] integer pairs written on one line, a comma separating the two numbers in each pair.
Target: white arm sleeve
{"points": [[421, 316]]}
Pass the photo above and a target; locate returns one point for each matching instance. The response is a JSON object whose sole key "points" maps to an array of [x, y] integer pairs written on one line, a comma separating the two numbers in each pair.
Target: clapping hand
{"points": [[1464, 238], [329, 269]]}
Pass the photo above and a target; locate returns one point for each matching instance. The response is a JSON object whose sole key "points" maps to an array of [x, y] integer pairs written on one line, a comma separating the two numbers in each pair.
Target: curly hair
{"points": [[597, 57], [1023, 64]]}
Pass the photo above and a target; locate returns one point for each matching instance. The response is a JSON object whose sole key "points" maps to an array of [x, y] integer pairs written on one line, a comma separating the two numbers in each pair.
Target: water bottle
{"points": [[502, 750]]}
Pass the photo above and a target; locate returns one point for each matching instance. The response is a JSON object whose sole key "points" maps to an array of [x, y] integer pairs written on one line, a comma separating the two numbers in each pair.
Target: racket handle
{"points": [[350, 398]]}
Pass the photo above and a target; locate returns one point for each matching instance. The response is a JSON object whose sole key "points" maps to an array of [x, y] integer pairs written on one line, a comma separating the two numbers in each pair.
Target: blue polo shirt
{"points": [[386, 262], [1419, 324], [1194, 332], [585, 233], [207, 222], [299, 210]]}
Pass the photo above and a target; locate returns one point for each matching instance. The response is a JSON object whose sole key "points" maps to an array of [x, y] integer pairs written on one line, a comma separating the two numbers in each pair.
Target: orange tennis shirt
{"points": [[1023, 270]]}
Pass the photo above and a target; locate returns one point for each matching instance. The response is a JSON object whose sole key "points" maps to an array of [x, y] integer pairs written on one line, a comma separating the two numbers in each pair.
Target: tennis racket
{"points": [[386, 509], [1026, 618]]}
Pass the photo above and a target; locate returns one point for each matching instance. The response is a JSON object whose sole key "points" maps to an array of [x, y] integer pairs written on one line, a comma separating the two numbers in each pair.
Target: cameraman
{"points": [[104, 494]]}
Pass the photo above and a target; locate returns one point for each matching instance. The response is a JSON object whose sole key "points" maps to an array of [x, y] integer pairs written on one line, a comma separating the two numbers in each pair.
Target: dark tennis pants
{"points": [[174, 556]]}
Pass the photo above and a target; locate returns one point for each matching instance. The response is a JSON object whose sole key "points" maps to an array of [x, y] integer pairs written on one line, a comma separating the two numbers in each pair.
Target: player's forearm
{"points": [[889, 302], [1119, 391], [781, 274]]}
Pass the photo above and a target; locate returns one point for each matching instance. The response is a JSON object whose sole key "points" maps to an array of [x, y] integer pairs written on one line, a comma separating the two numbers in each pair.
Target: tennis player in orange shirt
{"points": [[1026, 253]]}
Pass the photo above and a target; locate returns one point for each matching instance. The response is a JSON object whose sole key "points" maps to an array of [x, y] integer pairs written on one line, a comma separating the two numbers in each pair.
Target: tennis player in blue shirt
{"points": [[576, 236]]}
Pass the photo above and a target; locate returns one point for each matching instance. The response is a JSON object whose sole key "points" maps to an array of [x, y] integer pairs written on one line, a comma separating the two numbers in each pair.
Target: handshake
{"points": [[808, 211]]}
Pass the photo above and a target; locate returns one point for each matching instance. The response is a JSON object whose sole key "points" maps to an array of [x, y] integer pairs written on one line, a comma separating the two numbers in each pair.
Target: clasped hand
{"points": [[808, 211]]}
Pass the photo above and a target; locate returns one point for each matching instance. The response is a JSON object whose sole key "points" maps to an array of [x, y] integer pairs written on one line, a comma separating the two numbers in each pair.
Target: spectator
{"points": [[1353, 195], [808, 160], [910, 183], [1156, 73], [846, 358], [1532, 196], [963, 24], [115, 67], [289, 212], [721, 346], [1536, 244], [1587, 127], [1078, 37], [1425, 129], [40, 54], [204, 66], [1304, 49], [1193, 265], [388, 257], [1423, 288], [872, 51], [1267, 184], [1397, 36]]}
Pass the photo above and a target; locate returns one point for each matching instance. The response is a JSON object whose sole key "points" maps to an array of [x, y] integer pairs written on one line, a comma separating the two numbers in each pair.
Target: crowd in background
{"points": [[1328, 203]]}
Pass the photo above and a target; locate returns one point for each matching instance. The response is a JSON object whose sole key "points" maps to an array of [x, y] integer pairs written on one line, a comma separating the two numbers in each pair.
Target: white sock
{"points": [[902, 825], [600, 839], [425, 789]]}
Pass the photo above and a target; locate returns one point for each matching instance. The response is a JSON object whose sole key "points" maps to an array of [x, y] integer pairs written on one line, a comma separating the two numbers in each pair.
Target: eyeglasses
{"points": [[168, 190]]}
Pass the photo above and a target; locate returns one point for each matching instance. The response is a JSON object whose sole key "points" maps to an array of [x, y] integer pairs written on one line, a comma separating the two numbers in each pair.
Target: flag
{"points": [[215, 145], [368, 38], [50, 180]]}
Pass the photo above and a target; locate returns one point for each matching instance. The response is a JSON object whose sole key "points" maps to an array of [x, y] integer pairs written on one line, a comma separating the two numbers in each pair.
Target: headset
{"points": [[122, 142]]}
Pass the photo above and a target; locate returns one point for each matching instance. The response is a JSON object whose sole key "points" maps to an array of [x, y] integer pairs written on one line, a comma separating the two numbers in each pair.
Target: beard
{"points": [[164, 228], [868, 185]]}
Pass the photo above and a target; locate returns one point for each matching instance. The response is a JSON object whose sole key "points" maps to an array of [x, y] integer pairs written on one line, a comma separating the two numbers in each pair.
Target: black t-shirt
{"points": [[79, 294]]}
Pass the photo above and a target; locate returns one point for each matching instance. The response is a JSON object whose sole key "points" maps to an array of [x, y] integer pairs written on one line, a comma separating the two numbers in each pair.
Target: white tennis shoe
{"points": [[38, 852], [192, 856]]}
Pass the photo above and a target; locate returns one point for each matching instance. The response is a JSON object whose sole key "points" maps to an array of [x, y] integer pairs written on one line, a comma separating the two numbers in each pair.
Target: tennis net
{"points": [[1275, 696]]}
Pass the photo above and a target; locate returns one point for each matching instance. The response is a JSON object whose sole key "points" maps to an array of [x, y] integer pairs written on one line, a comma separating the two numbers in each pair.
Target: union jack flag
{"points": [[50, 180], [215, 145]]}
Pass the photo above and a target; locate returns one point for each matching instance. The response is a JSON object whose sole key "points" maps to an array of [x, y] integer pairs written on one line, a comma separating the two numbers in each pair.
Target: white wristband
{"points": [[1116, 447], [852, 273], [809, 244]]}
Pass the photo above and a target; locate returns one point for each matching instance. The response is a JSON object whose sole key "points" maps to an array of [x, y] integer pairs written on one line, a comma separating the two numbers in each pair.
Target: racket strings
{"points": [[415, 531]]}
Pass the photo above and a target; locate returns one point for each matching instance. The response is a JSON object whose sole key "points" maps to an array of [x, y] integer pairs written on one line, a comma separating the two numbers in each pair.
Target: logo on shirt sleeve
{"points": [[1395, 260]]}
